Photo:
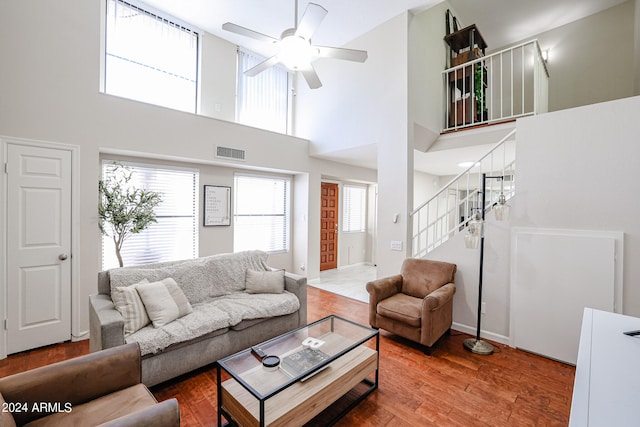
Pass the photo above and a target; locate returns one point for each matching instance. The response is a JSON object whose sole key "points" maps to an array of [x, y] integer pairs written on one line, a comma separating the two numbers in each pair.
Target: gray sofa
{"points": [[225, 316]]}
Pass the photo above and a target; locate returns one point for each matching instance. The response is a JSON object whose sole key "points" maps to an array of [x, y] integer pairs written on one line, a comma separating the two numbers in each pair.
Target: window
{"points": [[175, 235], [261, 214], [354, 208], [149, 58], [263, 100]]}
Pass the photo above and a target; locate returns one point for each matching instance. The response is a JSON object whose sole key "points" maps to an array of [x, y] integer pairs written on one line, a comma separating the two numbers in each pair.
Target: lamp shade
{"points": [[474, 232], [501, 210], [471, 241]]}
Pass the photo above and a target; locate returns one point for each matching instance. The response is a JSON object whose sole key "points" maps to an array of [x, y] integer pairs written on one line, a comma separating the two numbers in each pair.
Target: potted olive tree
{"points": [[123, 209]]}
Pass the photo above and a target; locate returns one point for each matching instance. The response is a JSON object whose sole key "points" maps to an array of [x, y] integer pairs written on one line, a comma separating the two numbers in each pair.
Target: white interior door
{"points": [[38, 246]]}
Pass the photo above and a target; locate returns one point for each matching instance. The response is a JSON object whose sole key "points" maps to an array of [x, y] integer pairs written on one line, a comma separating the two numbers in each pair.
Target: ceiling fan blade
{"points": [[313, 16], [257, 69], [311, 76], [340, 53], [229, 26]]}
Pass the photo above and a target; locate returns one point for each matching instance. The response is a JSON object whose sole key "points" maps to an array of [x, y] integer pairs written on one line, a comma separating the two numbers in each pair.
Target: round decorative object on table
{"points": [[271, 363]]}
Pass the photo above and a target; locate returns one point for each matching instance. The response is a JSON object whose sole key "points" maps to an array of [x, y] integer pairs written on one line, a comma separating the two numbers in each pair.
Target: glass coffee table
{"points": [[314, 367]]}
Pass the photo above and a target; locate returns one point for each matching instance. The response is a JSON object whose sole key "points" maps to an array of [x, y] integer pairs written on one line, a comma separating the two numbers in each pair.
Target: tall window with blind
{"points": [[175, 235], [150, 58], [263, 100], [261, 214], [354, 209]]}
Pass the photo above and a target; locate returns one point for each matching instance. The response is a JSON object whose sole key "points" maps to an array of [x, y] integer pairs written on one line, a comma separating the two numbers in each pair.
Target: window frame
{"points": [[166, 19], [240, 88], [345, 217], [287, 214], [196, 204]]}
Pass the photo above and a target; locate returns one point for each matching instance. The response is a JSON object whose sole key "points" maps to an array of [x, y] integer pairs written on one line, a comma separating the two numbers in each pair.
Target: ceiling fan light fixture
{"points": [[295, 52]]}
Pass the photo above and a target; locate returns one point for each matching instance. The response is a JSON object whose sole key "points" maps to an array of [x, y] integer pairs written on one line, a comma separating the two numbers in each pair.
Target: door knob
{"points": [[63, 257]]}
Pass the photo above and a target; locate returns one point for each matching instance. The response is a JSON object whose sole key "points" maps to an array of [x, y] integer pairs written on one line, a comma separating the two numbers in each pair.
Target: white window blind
{"points": [[354, 208], [263, 100], [261, 214], [175, 235], [150, 58]]}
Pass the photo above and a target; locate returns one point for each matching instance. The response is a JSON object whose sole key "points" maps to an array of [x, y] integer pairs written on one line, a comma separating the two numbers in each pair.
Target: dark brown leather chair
{"points": [[102, 388], [416, 304]]}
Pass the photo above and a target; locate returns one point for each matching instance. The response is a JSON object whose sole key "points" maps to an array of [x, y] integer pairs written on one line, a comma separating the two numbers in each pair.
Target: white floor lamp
{"points": [[474, 237]]}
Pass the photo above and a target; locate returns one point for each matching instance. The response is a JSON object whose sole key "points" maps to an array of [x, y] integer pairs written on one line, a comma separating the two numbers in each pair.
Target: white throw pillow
{"points": [[128, 303], [184, 307], [161, 307], [264, 282]]}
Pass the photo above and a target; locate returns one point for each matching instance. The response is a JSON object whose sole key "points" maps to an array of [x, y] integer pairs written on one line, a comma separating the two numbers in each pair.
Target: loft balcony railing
{"points": [[449, 210], [499, 87]]}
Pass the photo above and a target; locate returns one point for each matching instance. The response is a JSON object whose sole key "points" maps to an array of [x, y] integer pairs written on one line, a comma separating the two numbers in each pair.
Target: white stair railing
{"points": [[448, 211], [502, 86]]}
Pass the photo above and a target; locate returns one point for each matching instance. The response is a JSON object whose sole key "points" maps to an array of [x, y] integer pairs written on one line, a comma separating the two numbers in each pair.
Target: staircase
{"points": [[447, 212]]}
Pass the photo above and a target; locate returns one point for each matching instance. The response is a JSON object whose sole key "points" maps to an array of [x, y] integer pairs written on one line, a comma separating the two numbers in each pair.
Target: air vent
{"points": [[229, 153]]}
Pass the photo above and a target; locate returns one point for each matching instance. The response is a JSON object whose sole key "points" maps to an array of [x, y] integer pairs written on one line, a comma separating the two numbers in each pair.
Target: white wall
{"points": [[428, 55], [495, 289], [590, 60], [363, 104], [49, 86], [577, 169], [395, 152], [217, 76], [425, 186], [636, 49]]}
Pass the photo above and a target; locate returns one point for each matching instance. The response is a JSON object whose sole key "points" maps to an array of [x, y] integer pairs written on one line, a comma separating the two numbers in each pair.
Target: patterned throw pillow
{"points": [[128, 303]]}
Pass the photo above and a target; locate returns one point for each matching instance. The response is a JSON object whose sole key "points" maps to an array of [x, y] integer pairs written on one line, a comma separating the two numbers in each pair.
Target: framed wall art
{"points": [[217, 205]]}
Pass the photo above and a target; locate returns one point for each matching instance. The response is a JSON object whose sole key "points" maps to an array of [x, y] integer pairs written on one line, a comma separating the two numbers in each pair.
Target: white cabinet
{"points": [[606, 391]]}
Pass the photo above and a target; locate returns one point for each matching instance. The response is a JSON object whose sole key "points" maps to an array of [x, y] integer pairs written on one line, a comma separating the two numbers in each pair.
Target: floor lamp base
{"points": [[478, 346]]}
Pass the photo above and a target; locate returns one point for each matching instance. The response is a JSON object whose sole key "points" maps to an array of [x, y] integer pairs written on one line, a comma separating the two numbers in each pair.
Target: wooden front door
{"points": [[328, 226]]}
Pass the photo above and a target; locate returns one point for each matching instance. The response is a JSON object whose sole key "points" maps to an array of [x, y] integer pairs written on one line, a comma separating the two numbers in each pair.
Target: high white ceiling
{"points": [[500, 21], [346, 20]]}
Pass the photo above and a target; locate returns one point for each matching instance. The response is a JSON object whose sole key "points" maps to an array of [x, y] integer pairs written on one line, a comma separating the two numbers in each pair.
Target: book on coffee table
{"points": [[302, 361]]}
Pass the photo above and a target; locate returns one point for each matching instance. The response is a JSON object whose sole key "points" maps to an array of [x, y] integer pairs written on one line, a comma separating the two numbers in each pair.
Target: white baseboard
{"points": [[471, 330], [83, 336], [347, 266]]}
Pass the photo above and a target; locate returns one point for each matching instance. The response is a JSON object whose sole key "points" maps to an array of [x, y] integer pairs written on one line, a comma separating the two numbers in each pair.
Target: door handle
{"points": [[63, 257]]}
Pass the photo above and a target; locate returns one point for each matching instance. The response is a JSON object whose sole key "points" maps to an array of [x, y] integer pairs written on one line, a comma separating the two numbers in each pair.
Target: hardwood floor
{"points": [[450, 387]]}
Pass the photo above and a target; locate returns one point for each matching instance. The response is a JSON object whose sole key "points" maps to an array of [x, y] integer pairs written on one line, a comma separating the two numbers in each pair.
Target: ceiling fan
{"points": [[294, 48]]}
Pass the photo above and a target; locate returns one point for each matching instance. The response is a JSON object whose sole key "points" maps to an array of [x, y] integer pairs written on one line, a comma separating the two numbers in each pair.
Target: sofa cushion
{"points": [[222, 312], [403, 308], [203, 320], [103, 409], [264, 282], [128, 303], [243, 306], [200, 279]]}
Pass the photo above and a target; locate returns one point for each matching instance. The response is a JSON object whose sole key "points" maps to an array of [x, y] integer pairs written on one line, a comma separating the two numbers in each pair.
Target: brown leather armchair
{"points": [[102, 388], [416, 304]]}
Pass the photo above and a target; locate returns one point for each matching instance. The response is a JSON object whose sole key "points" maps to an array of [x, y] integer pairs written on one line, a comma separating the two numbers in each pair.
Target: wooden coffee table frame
{"points": [[293, 400]]}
